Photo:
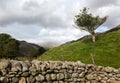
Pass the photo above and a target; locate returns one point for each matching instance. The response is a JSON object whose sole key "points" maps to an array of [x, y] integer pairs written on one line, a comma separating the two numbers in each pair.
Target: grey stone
{"points": [[44, 82], [22, 80], [43, 67], [39, 78], [19, 73], [4, 64], [102, 75], [53, 64], [25, 74], [15, 80], [60, 76], [103, 81], [44, 73], [94, 81], [4, 72], [1, 79], [28, 63], [75, 75], [67, 75], [116, 71], [70, 80], [56, 71], [37, 64], [32, 69], [53, 77], [118, 75], [79, 79], [79, 63], [70, 71], [14, 69], [15, 73], [109, 69], [110, 75], [56, 82], [88, 82], [75, 69], [82, 74], [10, 75], [34, 73], [90, 77], [6, 80], [48, 77], [81, 68], [50, 71], [30, 79], [58, 67], [98, 78], [79, 71], [25, 67], [74, 79], [70, 67], [18, 65]]}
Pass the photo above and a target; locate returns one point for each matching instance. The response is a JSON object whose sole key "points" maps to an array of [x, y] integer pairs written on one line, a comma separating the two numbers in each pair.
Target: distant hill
{"points": [[29, 49], [106, 49], [12, 48]]}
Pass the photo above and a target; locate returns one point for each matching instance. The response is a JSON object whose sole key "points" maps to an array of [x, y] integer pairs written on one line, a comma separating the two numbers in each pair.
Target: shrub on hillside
{"points": [[9, 47]]}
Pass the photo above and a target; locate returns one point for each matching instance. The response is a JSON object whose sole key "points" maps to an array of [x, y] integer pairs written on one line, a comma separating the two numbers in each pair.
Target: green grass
{"points": [[106, 51]]}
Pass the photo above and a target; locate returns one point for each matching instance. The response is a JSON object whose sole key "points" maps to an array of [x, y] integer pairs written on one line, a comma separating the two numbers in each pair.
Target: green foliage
{"points": [[86, 21], [33, 53], [9, 47], [106, 50]]}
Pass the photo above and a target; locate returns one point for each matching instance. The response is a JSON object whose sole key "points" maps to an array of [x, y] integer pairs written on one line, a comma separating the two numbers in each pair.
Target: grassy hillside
{"points": [[106, 50]]}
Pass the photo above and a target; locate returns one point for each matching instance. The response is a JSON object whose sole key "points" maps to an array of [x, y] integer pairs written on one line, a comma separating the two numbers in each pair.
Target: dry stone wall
{"points": [[55, 72]]}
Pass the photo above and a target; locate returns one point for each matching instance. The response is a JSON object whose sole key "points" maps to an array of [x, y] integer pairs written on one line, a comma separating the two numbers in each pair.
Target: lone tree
{"points": [[86, 21]]}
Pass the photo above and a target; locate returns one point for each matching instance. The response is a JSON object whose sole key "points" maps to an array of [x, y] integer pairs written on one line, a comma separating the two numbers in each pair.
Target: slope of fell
{"points": [[29, 49], [106, 50]]}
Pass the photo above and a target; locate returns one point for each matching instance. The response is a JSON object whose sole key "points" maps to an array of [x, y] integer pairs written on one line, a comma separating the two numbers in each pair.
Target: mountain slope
{"points": [[12, 48], [106, 50], [29, 49]]}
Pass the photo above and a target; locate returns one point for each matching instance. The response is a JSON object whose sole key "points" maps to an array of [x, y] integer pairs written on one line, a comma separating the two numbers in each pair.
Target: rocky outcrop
{"points": [[56, 72]]}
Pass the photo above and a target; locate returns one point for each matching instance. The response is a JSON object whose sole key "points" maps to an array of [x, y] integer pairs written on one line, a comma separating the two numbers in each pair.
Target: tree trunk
{"points": [[93, 39]]}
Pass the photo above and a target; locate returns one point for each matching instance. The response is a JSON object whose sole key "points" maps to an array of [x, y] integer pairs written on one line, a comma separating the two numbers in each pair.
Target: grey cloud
{"points": [[100, 3], [112, 22], [32, 12], [112, 13], [49, 13], [108, 8], [28, 5], [49, 45]]}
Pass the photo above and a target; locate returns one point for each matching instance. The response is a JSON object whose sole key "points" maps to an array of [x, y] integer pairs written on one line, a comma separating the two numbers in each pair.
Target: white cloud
{"points": [[112, 13], [59, 35]]}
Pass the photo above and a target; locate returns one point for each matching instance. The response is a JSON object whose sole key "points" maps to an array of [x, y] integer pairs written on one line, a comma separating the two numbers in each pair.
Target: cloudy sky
{"points": [[51, 21]]}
